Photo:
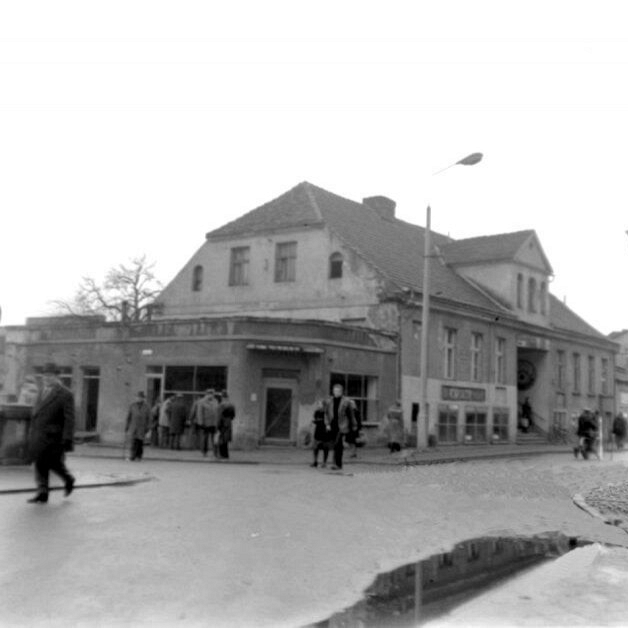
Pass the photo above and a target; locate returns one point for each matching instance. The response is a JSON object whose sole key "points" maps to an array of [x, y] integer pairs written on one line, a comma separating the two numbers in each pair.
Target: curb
{"points": [[580, 501], [13, 491]]}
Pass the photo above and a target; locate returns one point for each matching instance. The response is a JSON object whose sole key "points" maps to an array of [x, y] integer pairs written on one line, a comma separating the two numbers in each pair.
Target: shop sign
{"points": [[458, 393]]}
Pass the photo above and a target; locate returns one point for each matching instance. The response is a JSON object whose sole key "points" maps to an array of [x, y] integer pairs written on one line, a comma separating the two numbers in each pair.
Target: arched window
{"points": [[543, 297], [335, 266], [197, 278], [520, 291], [532, 294]]}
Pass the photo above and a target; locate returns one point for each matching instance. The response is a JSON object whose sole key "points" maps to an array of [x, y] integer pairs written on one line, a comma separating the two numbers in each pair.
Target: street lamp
{"points": [[469, 160]]}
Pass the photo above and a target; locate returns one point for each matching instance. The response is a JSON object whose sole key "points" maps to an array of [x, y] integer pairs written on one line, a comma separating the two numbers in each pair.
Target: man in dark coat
{"points": [[51, 433], [340, 420], [178, 412], [137, 424], [226, 414]]}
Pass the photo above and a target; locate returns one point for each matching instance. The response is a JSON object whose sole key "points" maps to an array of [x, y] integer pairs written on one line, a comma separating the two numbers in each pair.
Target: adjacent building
{"points": [[311, 288]]}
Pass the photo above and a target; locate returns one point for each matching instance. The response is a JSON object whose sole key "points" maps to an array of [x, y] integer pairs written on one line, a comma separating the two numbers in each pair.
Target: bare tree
{"points": [[125, 294]]}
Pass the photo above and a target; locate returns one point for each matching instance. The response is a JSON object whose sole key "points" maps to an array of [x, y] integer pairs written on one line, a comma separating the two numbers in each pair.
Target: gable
{"points": [[530, 253]]}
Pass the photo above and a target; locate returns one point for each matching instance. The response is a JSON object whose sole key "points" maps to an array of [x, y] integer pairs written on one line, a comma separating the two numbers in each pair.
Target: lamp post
{"points": [[469, 160]]}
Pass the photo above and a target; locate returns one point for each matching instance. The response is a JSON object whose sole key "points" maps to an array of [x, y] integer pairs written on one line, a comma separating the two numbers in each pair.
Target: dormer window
{"points": [[520, 291], [335, 266], [532, 295], [197, 279], [543, 297]]}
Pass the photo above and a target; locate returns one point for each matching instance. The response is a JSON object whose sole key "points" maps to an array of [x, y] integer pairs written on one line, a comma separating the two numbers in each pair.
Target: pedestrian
{"points": [[154, 425], [573, 436], [393, 428], [164, 422], [178, 414], [587, 432], [225, 420], [526, 415], [206, 419], [340, 420], [353, 438], [51, 433], [137, 424], [619, 430], [320, 442]]}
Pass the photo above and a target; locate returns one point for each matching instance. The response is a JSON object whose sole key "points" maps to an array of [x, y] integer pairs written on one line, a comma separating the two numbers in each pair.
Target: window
{"points": [[477, 344], [591, 375], [475, 425], [447, 424], [604, 378], [543, 297], [532, 294], [335, 266], [560, 370], [197, 279], [285, 261], [239, 266], [520, 291], [363, 390], [500, 361], [449, 362], [576, 373], [192, 381], [500, 424]]}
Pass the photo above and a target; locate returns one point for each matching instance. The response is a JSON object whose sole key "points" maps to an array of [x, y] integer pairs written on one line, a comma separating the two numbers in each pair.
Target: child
{"points": [[321, 436]]}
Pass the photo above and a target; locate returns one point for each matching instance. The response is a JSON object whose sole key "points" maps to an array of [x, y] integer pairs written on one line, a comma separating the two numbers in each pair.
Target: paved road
{"points": [[263, 545]]}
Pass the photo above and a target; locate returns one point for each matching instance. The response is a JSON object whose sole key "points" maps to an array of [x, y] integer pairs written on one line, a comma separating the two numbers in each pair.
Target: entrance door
{"points": [[278, 419], [89, 405]]}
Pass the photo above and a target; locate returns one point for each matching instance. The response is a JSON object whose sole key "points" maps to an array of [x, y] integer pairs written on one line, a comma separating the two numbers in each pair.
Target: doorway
{"points": [[89, 402], [278, 421]]}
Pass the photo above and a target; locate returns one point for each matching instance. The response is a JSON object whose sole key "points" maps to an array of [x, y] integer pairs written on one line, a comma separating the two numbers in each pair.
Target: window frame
{"points": [[500, 360], [447, 423], [449, 352], [239, 268], [560, 369], [577, 373], [336, 265], [197, 278], [591, 370], [532, 298], [286, 261], [477, 353], [368, 402]]}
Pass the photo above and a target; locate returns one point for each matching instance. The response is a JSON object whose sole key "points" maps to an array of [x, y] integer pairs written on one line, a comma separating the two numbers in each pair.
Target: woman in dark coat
{"points": [[178, 411], [227, 414]]}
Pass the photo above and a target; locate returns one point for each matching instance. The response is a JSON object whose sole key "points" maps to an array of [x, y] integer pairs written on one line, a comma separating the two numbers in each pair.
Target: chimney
{"points": [[383, 205]]}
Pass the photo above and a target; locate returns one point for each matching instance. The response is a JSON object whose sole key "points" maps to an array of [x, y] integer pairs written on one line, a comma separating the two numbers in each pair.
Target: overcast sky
{"points": [[136, 127]]}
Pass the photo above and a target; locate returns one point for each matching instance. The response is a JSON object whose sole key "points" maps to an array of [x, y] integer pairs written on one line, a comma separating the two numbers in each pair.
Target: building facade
{"points": [[311, 259]]}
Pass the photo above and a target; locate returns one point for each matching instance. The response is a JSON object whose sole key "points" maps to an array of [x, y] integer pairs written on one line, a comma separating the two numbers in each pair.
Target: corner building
{"points": [[312, 288]]}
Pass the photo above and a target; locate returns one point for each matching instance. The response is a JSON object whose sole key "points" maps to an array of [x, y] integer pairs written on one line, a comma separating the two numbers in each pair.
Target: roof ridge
{"points": [[491, 235]]}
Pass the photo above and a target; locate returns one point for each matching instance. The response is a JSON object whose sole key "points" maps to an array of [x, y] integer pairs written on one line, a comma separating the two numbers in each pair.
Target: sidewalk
{"points": [[290, 455]]}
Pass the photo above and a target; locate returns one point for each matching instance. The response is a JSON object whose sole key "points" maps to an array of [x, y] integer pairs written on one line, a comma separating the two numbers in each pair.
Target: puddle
{"points": [[421, 591]]}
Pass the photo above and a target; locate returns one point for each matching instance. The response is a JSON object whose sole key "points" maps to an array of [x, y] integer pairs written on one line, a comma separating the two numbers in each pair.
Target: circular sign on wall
{"points": [[526, 374]]}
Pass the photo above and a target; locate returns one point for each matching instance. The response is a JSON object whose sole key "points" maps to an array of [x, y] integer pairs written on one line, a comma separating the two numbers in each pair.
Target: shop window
{"points": [[194, 379], [447, 424], [239, 266], [475, 425], [363, 389], [285, 261], [501, 418], [335, 266], [197, 279]]}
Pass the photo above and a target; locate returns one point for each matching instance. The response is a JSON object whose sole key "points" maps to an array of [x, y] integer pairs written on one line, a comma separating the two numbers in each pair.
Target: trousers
{"points": [[52, 458]]}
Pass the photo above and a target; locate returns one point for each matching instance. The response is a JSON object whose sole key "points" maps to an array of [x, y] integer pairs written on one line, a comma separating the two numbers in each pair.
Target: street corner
{"points": [[21, 480]]}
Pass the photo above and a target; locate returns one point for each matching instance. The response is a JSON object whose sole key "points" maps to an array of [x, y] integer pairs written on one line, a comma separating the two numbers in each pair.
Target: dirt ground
{"points": [[266, 545]]}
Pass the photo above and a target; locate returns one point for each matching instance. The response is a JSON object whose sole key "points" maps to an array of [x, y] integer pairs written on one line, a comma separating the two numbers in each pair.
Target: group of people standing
{"points": [[209, 421], [337, 421], [587, 432]]}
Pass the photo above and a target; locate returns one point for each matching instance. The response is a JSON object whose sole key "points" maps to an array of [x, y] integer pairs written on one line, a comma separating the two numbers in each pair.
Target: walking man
{"points": [[51, 433], [226, 416], [137, 424], [206, 418], [340, 420]]}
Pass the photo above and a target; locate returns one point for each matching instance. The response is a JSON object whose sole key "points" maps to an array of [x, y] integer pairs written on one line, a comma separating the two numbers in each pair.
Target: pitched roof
{"points": [[561, 317], [294, 208], [501, 246], [396, 248]]}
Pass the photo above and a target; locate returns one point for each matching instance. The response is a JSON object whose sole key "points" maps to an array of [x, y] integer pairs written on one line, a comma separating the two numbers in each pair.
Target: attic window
{"points": [[532, 295], [197, 279], [519, 290], [335, 266]]}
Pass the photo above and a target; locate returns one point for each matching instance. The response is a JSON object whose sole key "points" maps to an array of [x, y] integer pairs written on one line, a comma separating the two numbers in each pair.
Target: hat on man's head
{"points": [[50, 368]]}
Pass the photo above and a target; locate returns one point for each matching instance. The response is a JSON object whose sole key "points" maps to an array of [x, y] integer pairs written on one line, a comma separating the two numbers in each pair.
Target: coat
{"points": [[52, 422], [393, 428], [227, 414], [178, 412], [346, 418], [138, 419]]}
